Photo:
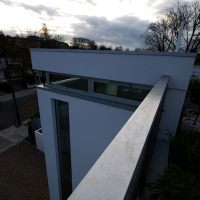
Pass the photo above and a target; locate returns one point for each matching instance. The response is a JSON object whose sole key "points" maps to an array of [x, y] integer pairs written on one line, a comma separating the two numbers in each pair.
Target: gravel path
{"points": [[23, 173]]}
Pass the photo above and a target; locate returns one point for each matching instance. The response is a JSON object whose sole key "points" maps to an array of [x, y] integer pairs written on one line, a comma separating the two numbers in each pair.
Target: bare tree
{"points": [[120, 48], [49, 39], [140, 49], [60, 38], [83, 43], [35, 39], [162, 35], [103, 47]]}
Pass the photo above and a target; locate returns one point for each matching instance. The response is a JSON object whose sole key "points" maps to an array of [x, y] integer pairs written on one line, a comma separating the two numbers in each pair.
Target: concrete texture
{"points": [[12, 136], [22, 93]]}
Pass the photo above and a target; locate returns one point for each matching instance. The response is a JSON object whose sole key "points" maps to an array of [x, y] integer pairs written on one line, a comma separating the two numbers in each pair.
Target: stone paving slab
{"points": [[4, 143], [13, 135], [22, 93]]}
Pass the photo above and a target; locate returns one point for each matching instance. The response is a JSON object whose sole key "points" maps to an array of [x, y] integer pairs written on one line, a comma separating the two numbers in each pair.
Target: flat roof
{"points": [[176, 54]]}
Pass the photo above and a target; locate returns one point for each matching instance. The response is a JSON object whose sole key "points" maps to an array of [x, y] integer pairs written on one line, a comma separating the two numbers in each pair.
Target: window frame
{"points": [[67, 88], [91, 91], [115, 98]]}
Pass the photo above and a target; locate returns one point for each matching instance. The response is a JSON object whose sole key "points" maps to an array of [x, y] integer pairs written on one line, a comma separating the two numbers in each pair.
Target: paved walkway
{"points": [[23, 173], [13, 135], [22, 93]]}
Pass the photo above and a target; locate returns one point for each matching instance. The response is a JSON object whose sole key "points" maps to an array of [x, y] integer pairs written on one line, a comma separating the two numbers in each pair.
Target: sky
{"points": [[108, 22]]}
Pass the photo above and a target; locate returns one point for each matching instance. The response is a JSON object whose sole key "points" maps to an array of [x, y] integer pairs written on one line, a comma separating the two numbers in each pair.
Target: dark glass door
{"points": [[63, 132]]}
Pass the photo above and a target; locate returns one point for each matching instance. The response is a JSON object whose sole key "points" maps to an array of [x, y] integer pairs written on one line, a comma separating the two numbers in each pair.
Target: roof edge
{"points": [[176, 54]]}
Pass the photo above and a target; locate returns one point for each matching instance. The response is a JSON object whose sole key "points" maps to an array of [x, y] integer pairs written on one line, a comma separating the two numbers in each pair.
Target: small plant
{"points": [[35, 115], [31, 124], [194, 95]]}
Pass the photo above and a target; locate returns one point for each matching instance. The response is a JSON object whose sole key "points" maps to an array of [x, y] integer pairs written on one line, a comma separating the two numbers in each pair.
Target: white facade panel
{"points": [[143, 68], [92, 127]]}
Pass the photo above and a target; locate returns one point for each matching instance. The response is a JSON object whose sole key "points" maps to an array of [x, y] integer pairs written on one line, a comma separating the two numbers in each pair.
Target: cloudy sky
{"points": [[109, 22]]}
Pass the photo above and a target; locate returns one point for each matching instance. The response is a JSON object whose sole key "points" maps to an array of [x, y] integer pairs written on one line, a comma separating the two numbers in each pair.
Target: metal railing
{"points": [[122, 167]]}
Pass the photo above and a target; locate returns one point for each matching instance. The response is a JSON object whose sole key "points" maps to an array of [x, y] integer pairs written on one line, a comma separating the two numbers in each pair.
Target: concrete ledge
{"points": [[116, 171]]}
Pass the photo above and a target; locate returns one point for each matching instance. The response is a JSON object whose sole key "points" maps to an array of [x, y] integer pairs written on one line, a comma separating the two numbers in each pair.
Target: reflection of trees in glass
{"points": [[70, 82], [126, 92]]}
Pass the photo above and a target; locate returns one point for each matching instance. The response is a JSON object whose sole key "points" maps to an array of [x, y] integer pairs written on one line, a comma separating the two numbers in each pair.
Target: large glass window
{"points": [[123, 91], [69, 82], [63, 132]]}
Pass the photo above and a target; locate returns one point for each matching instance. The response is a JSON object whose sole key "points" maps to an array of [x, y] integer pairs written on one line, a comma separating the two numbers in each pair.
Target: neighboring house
{"points": [[35, 42], [100, 114], [14, 66], [2, 69]]}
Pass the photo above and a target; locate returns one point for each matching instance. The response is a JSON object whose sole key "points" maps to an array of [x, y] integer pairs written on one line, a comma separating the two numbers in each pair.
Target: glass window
{"points": [[63, 132], [69, 82], [123, 91], [62, 118], [66, 188]]}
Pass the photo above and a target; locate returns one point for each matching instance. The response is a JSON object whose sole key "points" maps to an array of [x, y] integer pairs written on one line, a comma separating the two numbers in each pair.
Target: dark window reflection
{"points": [[63, 131], [126, 92], [69, 82]]}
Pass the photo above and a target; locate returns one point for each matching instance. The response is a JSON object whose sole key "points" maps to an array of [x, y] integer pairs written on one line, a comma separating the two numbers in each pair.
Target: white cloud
{"points": [[110, 22], [37, 8], [125, 30]]}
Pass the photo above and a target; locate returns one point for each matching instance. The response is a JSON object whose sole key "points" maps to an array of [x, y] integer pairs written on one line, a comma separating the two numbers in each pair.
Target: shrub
{"points": [[182, 179], [185, 151], [194, 94], [175, 184], [35, 114]]}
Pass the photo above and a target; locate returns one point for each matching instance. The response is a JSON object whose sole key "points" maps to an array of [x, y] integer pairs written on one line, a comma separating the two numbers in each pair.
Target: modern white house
{"points": [[102, 113]]}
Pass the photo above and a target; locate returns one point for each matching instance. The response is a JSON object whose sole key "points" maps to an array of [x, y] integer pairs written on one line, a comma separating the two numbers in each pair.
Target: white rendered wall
{"points": [[142, 68], [99, 130], [92, 128], [39, 140]]}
